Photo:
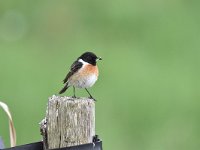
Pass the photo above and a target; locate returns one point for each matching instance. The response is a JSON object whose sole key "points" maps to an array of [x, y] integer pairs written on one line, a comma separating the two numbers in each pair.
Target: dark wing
{"points": [[74, 68]]}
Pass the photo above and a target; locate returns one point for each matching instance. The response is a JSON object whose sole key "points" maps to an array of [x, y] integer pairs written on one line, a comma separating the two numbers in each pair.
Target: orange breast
{"points": [[90, 69]]}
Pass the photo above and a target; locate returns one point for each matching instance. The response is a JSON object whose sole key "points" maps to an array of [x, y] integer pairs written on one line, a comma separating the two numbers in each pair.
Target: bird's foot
{"points": [[74, 96], [92, 98]]}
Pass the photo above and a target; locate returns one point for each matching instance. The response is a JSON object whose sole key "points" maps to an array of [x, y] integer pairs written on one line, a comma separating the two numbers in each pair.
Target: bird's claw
{"points": [[92, 98]]}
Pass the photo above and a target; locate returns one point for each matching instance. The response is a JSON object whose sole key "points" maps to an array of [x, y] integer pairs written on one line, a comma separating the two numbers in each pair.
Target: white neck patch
{"points": [[82, 61]]}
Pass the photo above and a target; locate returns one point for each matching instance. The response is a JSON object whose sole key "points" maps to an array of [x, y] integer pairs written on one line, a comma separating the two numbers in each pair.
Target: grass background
{"points": [[148, 89]]}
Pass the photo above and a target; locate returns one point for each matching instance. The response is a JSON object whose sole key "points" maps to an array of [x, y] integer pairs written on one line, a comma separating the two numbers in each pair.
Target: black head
{"points": [[90, 57]]}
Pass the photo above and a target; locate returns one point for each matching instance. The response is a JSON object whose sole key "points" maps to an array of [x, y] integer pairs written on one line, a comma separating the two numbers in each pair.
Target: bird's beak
{"points": [[99, 58]]}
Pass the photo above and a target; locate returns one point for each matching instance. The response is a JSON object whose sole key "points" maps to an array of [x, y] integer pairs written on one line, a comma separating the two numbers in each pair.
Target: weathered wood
{"points": [[69, 121]]}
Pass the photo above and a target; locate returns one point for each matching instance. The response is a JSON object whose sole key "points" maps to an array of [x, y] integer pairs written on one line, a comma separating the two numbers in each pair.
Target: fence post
{"points": [[68, 122]]}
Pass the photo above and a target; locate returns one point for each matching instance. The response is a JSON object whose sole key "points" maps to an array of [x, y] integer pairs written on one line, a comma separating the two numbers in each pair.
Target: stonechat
{"points": [[83, 73]]}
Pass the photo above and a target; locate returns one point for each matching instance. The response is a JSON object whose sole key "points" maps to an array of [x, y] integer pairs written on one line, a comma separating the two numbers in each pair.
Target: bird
{"points": [[83, 73]]}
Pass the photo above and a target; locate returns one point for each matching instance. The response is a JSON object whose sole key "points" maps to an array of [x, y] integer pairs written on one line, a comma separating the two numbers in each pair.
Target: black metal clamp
{"points": [[96, 145], [39, 146]]}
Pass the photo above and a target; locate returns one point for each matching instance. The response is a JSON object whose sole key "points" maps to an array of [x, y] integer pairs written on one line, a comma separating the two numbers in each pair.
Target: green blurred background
{"points": [[148, 89]]}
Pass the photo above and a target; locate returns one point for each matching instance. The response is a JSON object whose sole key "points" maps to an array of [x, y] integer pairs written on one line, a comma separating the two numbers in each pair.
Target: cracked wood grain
{"points": [[68, 122]]}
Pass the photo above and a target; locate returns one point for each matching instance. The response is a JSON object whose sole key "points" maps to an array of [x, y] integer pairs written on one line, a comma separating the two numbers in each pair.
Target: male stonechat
{"points": [[83, 73]]}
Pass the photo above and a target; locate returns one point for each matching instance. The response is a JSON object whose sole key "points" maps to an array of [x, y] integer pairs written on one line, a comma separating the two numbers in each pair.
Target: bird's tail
{"points": [[64, 89]]}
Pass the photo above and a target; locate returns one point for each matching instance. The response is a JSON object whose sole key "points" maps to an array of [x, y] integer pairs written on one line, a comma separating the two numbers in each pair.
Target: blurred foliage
{"points": [[148, 89]]}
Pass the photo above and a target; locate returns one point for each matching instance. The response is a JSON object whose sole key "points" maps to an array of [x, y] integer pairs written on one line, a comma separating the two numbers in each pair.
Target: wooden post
{"points": [[68, 122]]}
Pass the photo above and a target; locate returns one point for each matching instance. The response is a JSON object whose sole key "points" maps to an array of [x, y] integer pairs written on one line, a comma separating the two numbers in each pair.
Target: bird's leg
{"points": [[74, 92], [90, 94]]}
